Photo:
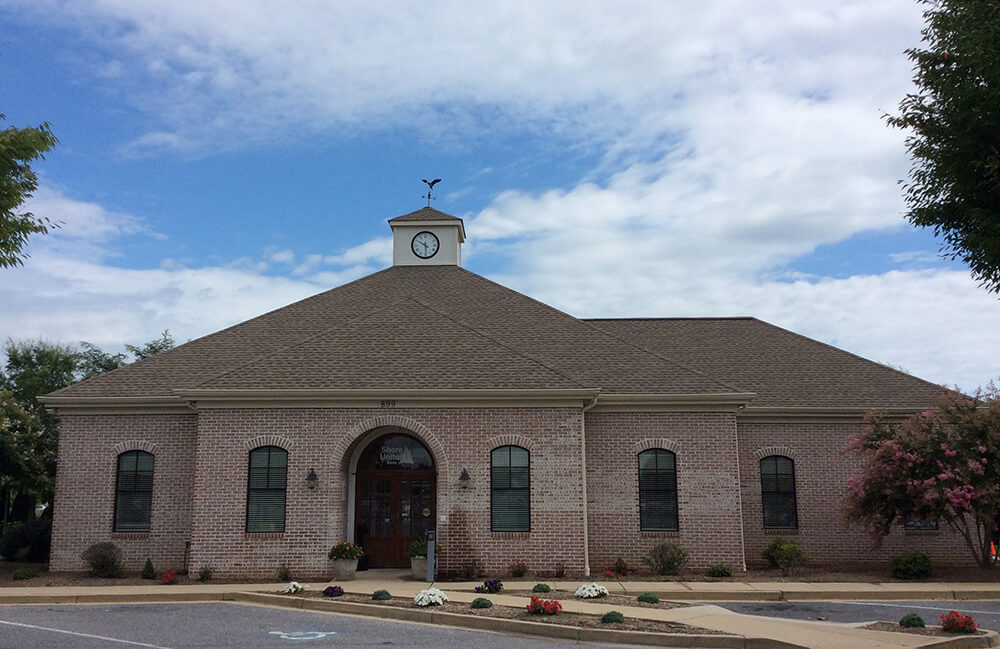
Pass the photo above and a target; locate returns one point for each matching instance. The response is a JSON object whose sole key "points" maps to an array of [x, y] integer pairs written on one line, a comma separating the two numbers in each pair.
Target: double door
{"points": [[392, 509]]}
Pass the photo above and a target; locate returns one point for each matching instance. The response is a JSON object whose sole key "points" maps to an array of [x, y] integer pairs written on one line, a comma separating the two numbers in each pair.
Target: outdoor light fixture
{"points": [[311, 479], [464, 479]]}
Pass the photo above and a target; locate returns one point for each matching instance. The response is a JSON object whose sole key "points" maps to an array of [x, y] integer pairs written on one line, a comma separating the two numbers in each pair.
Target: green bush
{"points": [[911, 620], [284, 573], [381, 595], [205, 573], [518, 569], [25, 573], [612, 617], [541, 588], [620, 567], [482, 602], [720, 570], [911, 565], [27, 541], [784, 554], [649, 598], [104, 559], [667, 558], [148, 572]]}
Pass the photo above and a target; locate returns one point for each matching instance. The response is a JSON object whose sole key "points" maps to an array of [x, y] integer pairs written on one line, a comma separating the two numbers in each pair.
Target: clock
{"points": [[425, 244]]}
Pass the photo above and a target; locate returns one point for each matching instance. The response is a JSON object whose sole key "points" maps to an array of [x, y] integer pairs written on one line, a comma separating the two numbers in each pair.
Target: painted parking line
{"points": [[925, 608], [83, 635]]}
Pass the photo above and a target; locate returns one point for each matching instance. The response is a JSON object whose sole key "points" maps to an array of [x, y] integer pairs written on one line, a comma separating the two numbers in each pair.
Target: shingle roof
{"points": [[783, 368], [383, 330], [425, 214]]}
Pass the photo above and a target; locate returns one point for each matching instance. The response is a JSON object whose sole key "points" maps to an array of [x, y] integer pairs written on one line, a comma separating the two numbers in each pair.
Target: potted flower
{"points": [[344, 556], [418, 557]]}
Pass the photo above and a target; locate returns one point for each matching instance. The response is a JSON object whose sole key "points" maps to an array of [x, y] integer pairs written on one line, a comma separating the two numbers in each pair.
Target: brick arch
{"points": [[666, 444], [767, 451], [420, 431], [267, 440], [135, 445], [510, 440]]}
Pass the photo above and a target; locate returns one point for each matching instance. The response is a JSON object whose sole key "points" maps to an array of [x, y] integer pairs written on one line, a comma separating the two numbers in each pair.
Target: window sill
{"points": [[130, 535], [649, 534], [510, 535], [264, 536], [779, 531], [921, 532]]}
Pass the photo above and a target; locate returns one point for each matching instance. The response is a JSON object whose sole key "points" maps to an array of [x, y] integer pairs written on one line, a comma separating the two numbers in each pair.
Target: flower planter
{"points": [[419, 567], [344, 569]]}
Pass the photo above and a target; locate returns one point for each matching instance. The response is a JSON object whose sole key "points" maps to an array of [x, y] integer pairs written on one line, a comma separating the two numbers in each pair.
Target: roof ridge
{"points": [[498, 342], [281, 350], [645, 319]]}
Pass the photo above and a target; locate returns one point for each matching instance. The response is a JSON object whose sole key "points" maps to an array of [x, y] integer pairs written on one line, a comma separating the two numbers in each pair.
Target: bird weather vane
{"points": [[430, 187]]}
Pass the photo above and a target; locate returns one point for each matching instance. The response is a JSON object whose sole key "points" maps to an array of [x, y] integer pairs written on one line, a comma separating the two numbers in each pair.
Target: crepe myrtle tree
{"points": [[941, 465]]}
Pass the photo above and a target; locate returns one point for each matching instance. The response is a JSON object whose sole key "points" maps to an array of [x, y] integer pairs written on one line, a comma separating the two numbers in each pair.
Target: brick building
{"points": [[425, 396]]}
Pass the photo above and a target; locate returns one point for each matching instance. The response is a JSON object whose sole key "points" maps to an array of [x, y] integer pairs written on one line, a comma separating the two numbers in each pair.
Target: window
{"points": [[657, 491], [510, 490], [266, 489], [134, 491], [777, 492], [920, 524]]}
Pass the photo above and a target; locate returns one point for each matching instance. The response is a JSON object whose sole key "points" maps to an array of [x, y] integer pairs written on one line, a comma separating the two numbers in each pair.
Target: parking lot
{"points": [[986, 613]]}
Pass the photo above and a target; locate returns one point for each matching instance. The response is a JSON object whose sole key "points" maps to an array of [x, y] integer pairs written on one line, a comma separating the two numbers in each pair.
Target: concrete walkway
{"points": [[820, 635]]}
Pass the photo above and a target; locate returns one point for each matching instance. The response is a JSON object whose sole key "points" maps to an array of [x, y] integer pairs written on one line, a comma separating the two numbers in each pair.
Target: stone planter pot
{"points": [[344, 569], [419, 567]]}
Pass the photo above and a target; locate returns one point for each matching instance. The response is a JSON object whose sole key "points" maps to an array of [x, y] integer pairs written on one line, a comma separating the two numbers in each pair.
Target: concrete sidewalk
{"points": [[820, 635]]}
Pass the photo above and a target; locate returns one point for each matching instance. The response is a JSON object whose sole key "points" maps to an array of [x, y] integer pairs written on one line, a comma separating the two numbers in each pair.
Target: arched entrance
{"points": [[395, 501]]}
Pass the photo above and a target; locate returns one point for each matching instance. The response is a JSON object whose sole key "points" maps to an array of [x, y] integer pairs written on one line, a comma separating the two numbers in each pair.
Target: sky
{"points": [[218, 160]]}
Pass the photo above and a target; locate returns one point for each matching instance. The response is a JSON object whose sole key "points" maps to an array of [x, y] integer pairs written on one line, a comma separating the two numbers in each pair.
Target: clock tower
{"points": [[427, 237]]}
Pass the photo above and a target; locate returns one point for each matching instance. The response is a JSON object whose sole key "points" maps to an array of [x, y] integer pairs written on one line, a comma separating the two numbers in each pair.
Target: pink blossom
{"points": [[982, 449], [951, 453]]}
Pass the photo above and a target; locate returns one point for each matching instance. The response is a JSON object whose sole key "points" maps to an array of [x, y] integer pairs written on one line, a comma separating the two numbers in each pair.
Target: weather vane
{"points": [[430, 187]]}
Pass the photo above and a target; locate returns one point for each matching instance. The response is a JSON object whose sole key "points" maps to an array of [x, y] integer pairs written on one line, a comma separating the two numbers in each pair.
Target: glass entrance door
{"points": [[395, 497]]}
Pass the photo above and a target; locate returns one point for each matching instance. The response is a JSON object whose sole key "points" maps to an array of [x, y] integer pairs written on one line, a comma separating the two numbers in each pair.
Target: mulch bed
{"points": [[512, 613], [916, 630], [609, 599]]}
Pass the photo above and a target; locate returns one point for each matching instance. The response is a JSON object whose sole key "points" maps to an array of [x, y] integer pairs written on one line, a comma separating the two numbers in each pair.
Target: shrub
{"points": [[955, 622], [518, 569], [784, 554], [283, 573], [170, 577], [148, 571], [590, 591], [27, 540], [667, 558], [911, 565], [543, 606], [471, 570], [541, 588], [560, 570], [25, 573], [294, 588], [333, 591], [490, 586], [418, 548], [104, 559], [911, 620], [620, 567], [205, 573], [720, 570], [649, 598], [482, 602], [430, 597], [382, 596], [612, 617], [345, 550]]}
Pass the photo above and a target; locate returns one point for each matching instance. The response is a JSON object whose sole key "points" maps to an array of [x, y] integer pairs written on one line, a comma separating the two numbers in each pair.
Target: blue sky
{"points": [[655, 160]]}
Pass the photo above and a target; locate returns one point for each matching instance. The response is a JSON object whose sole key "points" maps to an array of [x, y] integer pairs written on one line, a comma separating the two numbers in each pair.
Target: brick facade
{"points": [[200, 486]]}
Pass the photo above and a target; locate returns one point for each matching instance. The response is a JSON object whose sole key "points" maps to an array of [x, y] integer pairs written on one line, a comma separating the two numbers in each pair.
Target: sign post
{"points": [[431, 542]]}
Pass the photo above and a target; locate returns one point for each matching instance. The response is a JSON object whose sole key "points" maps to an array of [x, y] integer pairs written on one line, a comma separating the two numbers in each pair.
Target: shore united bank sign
{"points": [[517, 432]]}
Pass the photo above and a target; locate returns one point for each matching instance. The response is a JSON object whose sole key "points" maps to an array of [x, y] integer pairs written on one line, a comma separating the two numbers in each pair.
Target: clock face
{"points": [[425, 245]]}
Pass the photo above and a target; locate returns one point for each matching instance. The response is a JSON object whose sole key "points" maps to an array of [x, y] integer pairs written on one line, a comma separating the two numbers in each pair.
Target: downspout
{"points": [[583, 462], [739, 483]]}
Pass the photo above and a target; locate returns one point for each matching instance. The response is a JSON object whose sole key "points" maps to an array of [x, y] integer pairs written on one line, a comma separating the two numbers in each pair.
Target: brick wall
{"points": [[83, 510], [821, 473], [707, 485]]}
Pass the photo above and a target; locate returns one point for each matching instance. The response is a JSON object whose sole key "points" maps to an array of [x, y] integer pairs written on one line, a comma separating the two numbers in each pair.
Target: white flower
{"points": [[588, 591], [430, 597], [294, 587]]}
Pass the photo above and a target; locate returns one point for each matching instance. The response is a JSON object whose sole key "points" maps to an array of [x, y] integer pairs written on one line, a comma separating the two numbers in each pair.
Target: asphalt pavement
{"points": [[986, 613], [204, 626]]}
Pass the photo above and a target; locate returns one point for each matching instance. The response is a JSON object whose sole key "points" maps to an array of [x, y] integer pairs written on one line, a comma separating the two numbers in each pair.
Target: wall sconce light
{"points": [[311, 479], [464, 479]]}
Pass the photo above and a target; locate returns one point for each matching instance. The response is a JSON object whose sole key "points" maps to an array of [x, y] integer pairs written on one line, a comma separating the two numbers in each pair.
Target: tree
{"points": [[93, 360], [938, 466], [153, 347], [953, 123], [19, 147]]}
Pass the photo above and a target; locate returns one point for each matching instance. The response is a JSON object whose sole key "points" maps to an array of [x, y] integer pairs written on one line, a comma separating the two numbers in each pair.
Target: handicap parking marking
{"points": [[302, 635]]}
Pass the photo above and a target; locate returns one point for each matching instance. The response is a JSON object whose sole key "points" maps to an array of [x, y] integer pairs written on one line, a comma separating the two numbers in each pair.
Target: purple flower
{"points": [[333, 591]]}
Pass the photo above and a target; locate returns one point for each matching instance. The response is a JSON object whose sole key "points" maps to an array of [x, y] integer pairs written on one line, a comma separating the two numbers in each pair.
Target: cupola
{"points": [[427, 237]]}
